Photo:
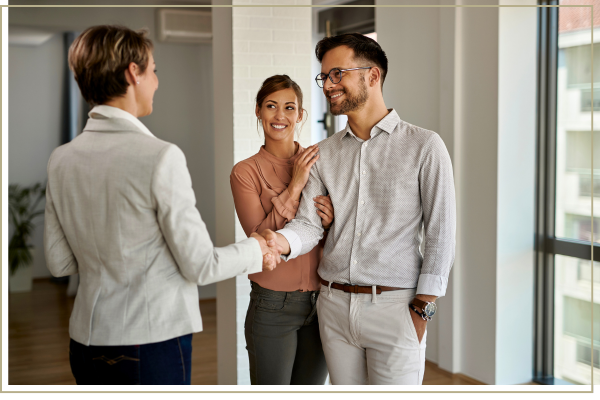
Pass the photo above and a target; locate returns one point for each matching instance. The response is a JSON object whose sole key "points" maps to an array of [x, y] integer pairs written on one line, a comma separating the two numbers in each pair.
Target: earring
{"points": [[138, 82]]}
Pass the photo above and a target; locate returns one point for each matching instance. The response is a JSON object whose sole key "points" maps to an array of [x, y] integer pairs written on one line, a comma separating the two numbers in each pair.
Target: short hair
{"points": [[100, 56], [276, 83], [364, 48]]}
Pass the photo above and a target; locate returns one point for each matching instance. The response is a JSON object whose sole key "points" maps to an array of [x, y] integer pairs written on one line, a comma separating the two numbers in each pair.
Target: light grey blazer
{"points": [[120, 211]]}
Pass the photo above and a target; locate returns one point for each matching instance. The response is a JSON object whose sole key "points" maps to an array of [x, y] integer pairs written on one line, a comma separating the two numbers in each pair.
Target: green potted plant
{"points": [[23, 205]]}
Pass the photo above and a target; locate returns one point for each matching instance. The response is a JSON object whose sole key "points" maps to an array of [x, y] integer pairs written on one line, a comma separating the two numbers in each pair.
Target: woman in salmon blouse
{"points": [[281, 328]]}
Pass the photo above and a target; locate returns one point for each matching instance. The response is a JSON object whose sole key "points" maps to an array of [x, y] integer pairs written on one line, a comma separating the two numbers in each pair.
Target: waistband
{"points": [[296, 295]]}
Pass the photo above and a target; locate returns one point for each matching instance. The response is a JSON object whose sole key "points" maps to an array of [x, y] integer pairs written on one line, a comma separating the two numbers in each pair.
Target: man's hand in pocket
{"points": [[419, 323]]}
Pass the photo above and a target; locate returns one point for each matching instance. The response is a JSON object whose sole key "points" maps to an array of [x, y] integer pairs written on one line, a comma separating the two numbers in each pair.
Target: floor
{"points": [[39, 337]]}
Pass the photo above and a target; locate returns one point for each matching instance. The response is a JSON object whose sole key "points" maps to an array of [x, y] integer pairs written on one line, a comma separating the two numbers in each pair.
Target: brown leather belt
{"points": [[360, 289]]}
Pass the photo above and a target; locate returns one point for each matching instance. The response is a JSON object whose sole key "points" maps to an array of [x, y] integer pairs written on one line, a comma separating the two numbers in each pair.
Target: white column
{"points": [[225, 221], [256, 42], [516, 194]]}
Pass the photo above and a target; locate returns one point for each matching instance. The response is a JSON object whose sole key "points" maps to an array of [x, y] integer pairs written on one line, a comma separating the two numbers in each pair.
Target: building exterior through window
{"points": [[574, 182]]}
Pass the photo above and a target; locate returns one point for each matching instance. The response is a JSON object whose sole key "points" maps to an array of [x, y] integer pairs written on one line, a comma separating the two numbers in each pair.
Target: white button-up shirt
{"points": [[389, 194]]}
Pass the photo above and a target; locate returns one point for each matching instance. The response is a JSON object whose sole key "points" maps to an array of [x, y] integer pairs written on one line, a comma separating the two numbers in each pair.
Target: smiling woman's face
{"points": [[279, 114]]}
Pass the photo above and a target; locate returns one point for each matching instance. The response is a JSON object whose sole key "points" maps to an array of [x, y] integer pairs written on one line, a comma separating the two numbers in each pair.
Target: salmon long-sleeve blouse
{"points": [[262, 202]]}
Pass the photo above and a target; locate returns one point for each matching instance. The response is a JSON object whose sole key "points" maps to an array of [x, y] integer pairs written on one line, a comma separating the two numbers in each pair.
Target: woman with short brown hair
{"points": [[120, 211], [282, 329]]}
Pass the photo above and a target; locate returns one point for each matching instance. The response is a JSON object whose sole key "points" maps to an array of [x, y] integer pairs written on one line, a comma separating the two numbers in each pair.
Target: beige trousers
{"points": [[370, 339]]}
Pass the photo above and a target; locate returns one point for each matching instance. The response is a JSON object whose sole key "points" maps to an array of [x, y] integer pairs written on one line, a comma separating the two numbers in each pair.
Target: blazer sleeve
{"points": [[60, 259], [248, 206], [185, 232]]}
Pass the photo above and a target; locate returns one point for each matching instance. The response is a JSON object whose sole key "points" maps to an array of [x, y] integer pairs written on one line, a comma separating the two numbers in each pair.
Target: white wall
{"points": [[36, 79], [183, 106], [469, 74]]}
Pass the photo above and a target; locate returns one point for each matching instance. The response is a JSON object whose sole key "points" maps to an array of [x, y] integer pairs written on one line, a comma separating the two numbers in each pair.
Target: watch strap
{"points": [[420, 314], [419, 303]]}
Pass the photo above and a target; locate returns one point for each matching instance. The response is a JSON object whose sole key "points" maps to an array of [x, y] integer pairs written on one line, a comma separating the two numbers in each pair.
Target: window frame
{"points": [[547, 245]]}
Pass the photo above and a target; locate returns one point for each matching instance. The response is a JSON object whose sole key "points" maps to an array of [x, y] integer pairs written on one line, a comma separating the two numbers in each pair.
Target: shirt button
{"points": [[355, 261], [362, 202], [364, 172], [357, 233]]}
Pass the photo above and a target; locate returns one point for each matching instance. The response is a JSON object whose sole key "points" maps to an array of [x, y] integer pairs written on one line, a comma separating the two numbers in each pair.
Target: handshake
{"points": [[272, 247]]}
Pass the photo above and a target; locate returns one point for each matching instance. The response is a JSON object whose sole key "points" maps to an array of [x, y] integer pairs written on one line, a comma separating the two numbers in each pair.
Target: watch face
{"points": [[430, 309]]}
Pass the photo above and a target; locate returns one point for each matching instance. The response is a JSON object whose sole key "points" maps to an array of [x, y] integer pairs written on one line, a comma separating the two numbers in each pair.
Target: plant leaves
{"points": [[23, 208]]}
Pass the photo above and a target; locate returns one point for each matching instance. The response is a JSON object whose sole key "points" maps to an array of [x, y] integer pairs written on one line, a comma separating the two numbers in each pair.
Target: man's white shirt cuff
{"points": [[294, 241], [433, 285]]}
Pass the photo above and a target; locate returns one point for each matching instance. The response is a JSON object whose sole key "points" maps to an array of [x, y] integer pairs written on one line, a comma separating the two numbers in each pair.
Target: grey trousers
{"points": [[282, 338]]}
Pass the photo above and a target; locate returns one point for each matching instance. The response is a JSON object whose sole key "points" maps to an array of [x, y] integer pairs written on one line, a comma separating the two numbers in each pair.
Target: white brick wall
{"points": [[266, 41]]}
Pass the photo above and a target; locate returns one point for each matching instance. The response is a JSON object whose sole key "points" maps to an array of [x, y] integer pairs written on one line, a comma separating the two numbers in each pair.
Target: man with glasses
{"points": [[392, 189]]}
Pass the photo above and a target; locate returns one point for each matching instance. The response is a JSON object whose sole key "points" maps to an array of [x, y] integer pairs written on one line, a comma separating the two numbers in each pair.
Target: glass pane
{"points": [[574, 153], [572, 320]]}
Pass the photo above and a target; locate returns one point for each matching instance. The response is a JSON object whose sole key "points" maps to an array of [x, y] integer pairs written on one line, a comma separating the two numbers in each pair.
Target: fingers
{"points": [[271, 241], [270, 237], [324, 200], [314, 160], [323, 209], [271, 257], [261, 240], [277, 251], [324, 203], [308, 154], [268, 262]]}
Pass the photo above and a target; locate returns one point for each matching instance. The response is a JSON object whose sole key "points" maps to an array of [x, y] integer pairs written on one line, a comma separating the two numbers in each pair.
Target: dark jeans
{"points": [[162, 363], [282, 338]]}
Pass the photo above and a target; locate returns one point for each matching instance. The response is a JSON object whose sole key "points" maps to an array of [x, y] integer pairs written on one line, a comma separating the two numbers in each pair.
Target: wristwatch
{"points": [[429, 308]]}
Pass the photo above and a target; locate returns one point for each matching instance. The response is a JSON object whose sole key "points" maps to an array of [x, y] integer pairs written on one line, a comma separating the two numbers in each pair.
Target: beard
{"points": [[351, 102]]}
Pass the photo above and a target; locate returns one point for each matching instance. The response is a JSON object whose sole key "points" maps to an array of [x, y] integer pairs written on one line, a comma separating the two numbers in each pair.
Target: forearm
{"points": [[251, 211], [272, 221], [295, 192], [224, 262], [426, 297]]}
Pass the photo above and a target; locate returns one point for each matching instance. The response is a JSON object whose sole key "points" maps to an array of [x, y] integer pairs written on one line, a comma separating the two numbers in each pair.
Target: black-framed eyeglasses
{"points": [[335, 75]]}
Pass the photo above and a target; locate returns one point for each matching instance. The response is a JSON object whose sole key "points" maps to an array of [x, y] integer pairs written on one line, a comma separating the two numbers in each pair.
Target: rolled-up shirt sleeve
{"points": [[436, 184], [306, 230]]}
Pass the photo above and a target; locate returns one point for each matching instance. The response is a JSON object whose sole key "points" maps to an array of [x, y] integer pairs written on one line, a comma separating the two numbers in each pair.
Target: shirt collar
{"points": [[113, 112], [387, 124]]}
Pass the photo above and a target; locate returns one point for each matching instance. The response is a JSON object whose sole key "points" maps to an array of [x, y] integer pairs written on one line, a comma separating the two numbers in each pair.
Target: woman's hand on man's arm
{"points": [[324, 210], [301, 170]]}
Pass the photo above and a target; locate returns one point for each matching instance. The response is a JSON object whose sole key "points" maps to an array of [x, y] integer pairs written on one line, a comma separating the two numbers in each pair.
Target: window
{"points": [[567, 185], [337, 21]]}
